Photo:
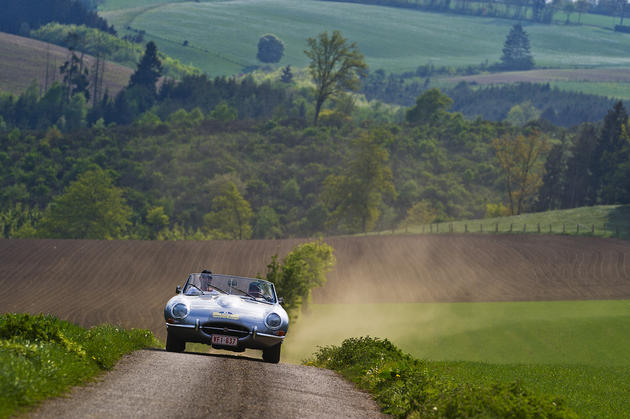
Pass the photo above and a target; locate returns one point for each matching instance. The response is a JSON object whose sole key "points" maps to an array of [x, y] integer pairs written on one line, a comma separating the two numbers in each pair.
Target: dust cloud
{"points": [[377, 279]]}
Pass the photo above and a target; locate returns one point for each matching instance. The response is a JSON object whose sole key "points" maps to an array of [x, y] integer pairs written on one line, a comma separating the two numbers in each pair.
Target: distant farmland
{"points": [[222, 36], [128, 282], [24, 60]]}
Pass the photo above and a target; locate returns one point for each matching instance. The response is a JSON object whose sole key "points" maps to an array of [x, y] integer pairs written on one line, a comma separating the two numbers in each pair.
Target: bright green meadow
{"points": [[222, 35], [574, 349], [595, 221]]}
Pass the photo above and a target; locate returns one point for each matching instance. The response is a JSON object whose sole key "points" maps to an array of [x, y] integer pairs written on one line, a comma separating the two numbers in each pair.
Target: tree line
{"points": [[208, 159], [539, 11], [22, 16], [592, 167]]}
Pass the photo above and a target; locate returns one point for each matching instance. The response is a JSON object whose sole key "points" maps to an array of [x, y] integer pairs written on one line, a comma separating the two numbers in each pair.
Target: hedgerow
{"points": [[41, 356], [405, 387]]}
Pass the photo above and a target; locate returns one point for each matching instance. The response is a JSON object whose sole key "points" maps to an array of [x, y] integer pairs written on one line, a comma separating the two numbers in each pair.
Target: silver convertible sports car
{"points": [[226, 312]]}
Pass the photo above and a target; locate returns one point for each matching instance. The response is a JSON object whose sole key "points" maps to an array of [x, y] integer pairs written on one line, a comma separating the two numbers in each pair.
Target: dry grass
{"points": [[24, 60]]}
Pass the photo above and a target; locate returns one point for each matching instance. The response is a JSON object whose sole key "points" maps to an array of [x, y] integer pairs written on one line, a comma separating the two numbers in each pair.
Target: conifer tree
{"points": [[516, 54], [610, 153], [149, 69], [287, 75]]}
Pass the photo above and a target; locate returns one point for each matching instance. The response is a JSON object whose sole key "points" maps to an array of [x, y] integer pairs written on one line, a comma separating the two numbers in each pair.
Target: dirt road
{"points": [[159, 384]]}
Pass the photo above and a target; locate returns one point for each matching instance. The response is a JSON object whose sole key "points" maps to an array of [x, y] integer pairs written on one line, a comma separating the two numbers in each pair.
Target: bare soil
{"points": [[25, 59], [128, 282]]}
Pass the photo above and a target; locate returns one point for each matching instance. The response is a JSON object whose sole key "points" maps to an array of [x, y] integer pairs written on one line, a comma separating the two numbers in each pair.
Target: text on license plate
{"points": [[224, 340]]}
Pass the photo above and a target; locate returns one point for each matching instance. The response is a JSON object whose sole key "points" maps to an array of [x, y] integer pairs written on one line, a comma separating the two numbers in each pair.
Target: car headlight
{"points": [[179, 310], [273, 320]]}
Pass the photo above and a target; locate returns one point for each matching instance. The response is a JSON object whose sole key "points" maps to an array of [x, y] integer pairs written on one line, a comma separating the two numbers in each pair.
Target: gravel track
{"points": [[159, 384]]}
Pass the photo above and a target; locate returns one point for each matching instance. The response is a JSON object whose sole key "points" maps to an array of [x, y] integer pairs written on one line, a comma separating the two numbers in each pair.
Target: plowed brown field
{"points": [[128, 282], [24, 60]]}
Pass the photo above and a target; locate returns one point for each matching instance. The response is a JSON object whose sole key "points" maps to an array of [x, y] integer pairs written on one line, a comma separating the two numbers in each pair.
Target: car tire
{"points": [[173, 344], [272, 355]]}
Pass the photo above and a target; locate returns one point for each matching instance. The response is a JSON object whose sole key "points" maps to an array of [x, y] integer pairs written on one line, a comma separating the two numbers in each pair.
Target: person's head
{"points": [[255, 290], [206, 279]]}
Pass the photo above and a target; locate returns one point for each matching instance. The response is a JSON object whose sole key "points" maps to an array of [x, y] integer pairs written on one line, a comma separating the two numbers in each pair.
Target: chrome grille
{"points": [[225, 329]]}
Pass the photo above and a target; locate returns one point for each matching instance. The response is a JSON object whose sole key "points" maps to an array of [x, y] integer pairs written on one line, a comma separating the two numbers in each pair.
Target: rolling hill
{"points": [[24, 60], [222, 36]]}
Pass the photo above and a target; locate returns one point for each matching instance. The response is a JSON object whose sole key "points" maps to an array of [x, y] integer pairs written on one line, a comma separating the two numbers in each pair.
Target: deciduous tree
{"points": [[303, 269], [157, 220], [270, 49], [335, 66], [430, 107], [231, 215], [90, 208], [355, 195], [520, 157], [420, 213]]}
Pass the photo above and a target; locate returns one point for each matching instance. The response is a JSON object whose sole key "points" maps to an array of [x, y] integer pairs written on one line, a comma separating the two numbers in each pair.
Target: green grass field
{"points": [[609, 89], [596, 221], [574, 349], [595, 333], [223, 35]]}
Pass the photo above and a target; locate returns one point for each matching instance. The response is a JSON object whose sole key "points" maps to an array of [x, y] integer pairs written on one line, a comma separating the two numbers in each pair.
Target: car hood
{"points": [[213, 307], [229, 304]]}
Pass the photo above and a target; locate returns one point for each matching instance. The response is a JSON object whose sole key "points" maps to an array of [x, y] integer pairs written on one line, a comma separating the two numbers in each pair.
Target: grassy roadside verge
{"points": [[405, 387], [42, 356]]}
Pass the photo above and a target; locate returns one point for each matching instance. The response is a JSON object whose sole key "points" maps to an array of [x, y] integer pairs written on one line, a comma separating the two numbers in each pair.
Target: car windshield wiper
{"points": [[218, 289], [245, 294]]}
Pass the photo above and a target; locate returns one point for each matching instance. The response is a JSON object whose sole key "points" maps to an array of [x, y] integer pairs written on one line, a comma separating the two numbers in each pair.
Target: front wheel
{"points": [[272, 355], [174, 344]]}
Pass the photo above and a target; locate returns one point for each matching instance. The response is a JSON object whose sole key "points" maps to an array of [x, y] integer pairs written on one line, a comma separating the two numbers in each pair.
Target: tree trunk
{"points": [[318, 107]]}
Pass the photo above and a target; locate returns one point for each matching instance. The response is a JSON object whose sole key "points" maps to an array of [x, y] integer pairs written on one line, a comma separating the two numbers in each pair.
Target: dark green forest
{"points": [[493, 103], [539, 11], [228, 158], [235, 159], [22, 16]]}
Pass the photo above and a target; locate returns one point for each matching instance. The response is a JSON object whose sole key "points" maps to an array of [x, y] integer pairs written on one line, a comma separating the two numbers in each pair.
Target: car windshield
{"points": [[252, 288]]}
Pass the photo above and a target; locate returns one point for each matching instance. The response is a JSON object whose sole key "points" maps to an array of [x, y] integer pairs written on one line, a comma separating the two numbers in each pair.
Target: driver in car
{"points": [[255, 290], [206, 280]]}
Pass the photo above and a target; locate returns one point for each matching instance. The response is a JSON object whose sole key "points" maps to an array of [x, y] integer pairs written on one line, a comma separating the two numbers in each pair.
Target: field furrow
{"points": [[128, 282]]}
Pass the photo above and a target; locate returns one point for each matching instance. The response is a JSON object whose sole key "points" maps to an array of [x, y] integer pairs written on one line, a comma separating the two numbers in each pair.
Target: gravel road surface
{"points": [[159, 384]]}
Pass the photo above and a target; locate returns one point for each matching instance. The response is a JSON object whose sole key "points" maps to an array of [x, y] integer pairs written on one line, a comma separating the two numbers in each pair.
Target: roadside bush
{"points": [[41, 356], [405, 387]]}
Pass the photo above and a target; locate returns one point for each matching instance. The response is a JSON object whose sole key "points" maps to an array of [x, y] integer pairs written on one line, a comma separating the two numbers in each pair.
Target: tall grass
{"points": [[41, 356]]}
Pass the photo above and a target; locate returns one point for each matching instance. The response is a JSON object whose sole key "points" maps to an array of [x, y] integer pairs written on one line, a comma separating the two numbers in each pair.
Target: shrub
{"points": [[41, 356], [404, 386]]}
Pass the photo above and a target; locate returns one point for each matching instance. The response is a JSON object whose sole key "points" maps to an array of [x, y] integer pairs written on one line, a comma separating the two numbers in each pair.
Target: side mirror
{"points": [[280, 300], [178, 289]]}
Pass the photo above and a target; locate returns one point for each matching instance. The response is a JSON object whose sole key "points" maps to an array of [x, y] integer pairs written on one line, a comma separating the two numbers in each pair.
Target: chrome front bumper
{"points": [[195, 333]]}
